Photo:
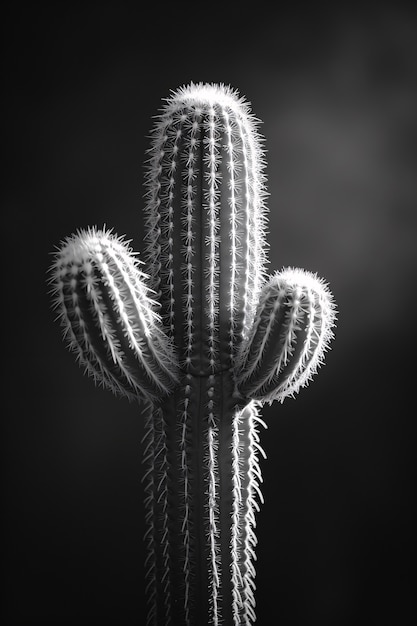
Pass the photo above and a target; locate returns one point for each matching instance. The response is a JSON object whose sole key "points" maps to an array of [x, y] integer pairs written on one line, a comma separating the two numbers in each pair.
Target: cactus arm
{"points": [[108, 318], [291, 332]]}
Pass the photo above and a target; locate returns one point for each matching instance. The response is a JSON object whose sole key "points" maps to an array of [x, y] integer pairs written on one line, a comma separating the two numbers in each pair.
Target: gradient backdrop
{"points": [[337, 93]]}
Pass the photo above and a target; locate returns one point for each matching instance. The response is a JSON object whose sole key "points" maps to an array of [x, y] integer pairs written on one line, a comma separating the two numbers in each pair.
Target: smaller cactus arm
{"points": [[290, 335], [108, 317]]}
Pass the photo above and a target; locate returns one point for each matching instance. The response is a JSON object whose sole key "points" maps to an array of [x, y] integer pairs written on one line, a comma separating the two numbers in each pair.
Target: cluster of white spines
{"points": [[212, 256], [108, 317], [247, 478], [213, 517], [291, 333]]}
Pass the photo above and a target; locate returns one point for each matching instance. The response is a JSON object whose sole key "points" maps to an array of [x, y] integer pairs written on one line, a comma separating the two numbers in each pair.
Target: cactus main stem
{"points": [[200, 505]]}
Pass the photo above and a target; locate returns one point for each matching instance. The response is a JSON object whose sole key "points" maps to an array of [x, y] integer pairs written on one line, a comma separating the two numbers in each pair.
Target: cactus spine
{"points": [[224, 340]]}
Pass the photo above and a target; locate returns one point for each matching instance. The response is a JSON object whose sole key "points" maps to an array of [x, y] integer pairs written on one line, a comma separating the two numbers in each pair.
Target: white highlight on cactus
{"points": [[168, 216], [211, 438], [246, 492], [233, 239], [250, 521], [214, 573], [212, 217], [248, 296], [237, 526], [322, 318], [189, 237], [258, 246], [201, 95]]}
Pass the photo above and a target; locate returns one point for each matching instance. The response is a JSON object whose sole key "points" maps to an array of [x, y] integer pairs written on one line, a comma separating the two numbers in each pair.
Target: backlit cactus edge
{"points": [[201, 341]]}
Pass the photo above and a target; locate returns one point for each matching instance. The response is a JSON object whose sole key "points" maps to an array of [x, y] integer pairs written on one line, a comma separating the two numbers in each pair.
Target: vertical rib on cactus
{"points": [[226, 340]]}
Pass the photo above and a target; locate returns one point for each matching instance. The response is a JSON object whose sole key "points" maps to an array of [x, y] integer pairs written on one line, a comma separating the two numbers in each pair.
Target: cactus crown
{"points": [[206, 223]]}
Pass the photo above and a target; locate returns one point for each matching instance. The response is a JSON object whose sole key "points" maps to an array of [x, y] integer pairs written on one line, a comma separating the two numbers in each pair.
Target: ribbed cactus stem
{"points": [[206, 220], [224, 340]]}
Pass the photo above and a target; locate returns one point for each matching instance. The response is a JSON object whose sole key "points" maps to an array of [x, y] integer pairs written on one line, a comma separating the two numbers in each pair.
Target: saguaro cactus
{"points": [[201, 341]]}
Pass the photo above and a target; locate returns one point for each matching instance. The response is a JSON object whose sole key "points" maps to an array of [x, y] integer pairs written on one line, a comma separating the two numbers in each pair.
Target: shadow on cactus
{"points": [[201, 340]]}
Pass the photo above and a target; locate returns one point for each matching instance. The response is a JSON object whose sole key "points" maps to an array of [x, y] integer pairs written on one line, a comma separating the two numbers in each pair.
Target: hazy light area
{"points": [[341, 140]]}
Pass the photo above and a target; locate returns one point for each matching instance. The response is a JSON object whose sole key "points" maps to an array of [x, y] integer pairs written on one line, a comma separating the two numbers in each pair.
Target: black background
{"points": [[337, 93]]}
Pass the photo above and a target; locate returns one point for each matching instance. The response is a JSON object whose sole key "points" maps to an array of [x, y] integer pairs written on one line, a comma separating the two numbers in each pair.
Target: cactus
{"points": [[201, 341]]}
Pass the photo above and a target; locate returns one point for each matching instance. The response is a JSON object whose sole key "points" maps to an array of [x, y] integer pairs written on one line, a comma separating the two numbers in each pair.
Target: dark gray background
{"points": [[337, 93]]}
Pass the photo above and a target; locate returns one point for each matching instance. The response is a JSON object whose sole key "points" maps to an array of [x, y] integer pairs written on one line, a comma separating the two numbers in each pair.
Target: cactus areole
{"points": [[201, 340]]}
